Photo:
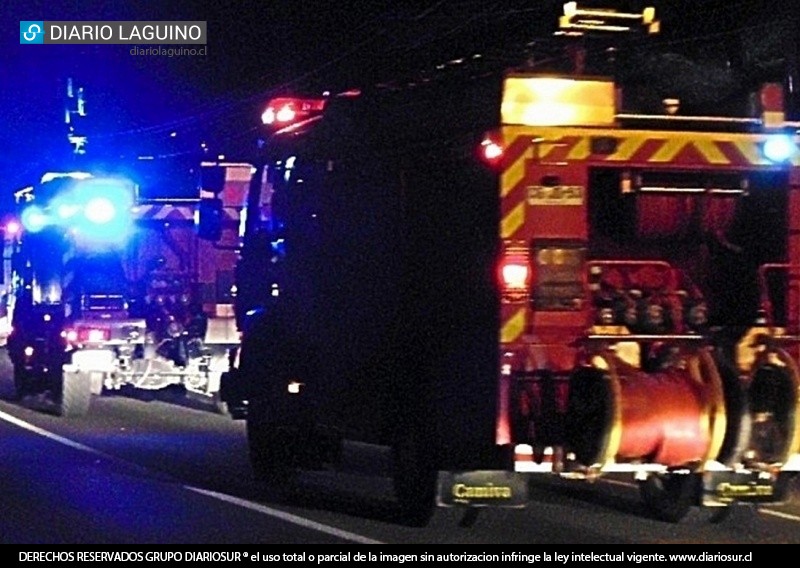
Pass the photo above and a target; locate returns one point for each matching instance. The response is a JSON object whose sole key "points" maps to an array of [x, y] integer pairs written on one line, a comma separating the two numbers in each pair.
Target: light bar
{"points": [[605, 20], [50, 176], [286, 110]]}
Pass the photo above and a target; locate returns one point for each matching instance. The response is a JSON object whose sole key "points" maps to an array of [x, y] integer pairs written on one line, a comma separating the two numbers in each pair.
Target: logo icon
{"points": [[31, 32]]}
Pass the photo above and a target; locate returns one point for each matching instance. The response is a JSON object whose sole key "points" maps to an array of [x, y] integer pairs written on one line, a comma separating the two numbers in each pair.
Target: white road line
{"points": [[762, 510], [780, 514], [287, 517], [55, 437]]}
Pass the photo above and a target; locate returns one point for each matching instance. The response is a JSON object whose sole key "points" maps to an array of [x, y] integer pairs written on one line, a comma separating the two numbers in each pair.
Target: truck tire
{"points": [[74, 395], [272, 450], [413, 478], [22, 382], [220, 406], [669, 496]]}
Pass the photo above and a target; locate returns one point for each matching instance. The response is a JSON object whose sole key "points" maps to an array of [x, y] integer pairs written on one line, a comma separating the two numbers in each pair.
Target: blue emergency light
{"points": [[34, 219], [97, 210], [779, 148]]}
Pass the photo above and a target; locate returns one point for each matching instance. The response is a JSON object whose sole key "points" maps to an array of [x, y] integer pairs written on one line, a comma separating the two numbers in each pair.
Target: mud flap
{"points": [[232, 394], [482, 488], [75, 394], [722, 488]]}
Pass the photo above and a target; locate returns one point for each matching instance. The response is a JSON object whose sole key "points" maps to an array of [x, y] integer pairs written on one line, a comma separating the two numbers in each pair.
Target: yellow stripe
{"points": [[703, 371], [706, 143], [512, 175], [773, 118], [793, 445], [513, 328], [668, 150], [581, 150], [750, 151], [513, 221], [614, 437], [711, 152], [627, 147]]}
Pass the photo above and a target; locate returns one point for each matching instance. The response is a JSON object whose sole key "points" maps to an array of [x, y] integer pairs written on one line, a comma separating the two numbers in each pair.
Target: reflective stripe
{"points": [[647, 146], [512, 328], [167, 212], [513, 220]]}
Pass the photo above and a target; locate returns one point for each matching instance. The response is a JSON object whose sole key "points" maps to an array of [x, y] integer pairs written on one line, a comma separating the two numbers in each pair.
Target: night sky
{"points": [[256, 49]]}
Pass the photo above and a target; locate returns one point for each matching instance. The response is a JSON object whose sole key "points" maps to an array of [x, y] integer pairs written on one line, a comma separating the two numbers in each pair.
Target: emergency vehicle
{"points": [[516, 275], [109, 288]]}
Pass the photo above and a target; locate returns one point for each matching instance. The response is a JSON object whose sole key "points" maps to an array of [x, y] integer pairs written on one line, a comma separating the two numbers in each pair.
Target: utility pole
{"points": [[74, 112]]}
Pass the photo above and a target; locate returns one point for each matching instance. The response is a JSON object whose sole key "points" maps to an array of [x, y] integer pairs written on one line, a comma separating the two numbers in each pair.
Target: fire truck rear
{"points": [[649, 315], [607, 293], [110, 288]]}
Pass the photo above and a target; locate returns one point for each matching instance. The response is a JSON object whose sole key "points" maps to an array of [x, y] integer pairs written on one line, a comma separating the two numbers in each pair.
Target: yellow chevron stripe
{"points": [[581, 150], [627, 148], [711, 152], [512, 175], [629, 142], [513, 220], [750, 151], [544, 148], [513, 327], [668, 151]]}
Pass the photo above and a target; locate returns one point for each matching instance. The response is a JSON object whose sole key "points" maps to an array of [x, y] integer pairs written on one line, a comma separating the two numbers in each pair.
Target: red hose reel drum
{"points": [[673, 417]]}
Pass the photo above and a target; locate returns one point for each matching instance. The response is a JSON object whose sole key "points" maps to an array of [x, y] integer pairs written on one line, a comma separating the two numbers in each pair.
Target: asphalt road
{"points": [[166, 470]]}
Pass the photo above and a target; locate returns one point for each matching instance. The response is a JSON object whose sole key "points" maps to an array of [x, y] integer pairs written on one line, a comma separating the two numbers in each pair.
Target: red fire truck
{"points": [[110, 287], [506, 276], [648, 296]]}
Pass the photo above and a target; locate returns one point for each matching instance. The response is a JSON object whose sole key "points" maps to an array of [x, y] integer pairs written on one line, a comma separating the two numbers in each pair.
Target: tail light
{"points": [[491, 149], [515, 273], [12, 228], [87, 334]]}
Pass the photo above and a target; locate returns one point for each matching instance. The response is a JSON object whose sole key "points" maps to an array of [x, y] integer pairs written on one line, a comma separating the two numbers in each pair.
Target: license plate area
{"points": [[727, 487], [483, 488]]}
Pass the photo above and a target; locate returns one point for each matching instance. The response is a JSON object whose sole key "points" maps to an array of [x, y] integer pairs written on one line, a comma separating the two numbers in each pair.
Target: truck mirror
{"points": [[208, 219]]}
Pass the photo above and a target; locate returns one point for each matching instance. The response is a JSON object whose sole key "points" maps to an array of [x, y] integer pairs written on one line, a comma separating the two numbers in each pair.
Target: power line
{"points": [[434, 26]]}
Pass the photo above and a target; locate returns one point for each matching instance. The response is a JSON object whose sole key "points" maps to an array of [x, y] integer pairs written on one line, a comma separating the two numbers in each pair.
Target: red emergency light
{"points": [[82, 335], [515, 273], [491, 150], [12, 228], [283, 111]]}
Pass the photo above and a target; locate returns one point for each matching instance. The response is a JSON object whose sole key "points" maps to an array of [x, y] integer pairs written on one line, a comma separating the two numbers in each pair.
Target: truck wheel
{"points": [[219, 405], [22, 382], [75, 394], [669, 497], [272, 450], [413, 478]]}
